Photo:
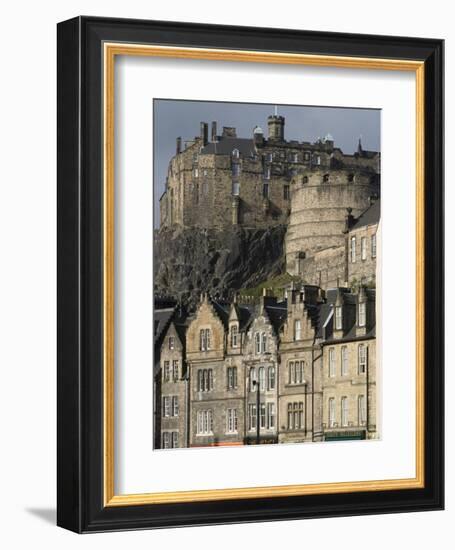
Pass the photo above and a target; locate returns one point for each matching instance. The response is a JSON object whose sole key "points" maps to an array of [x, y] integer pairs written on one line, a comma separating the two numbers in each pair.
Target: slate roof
{"points": [[162, 318], [225, 146], [277, 315], [370, 216]]}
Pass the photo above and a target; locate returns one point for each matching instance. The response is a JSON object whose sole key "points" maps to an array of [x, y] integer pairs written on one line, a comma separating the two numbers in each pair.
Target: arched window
{"points": [[257, 341], [325, 178], [235, 153], [264, 342]]}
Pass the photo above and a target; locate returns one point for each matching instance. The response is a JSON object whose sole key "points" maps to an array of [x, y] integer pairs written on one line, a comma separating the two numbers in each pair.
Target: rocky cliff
{"points": [[191, 261]]}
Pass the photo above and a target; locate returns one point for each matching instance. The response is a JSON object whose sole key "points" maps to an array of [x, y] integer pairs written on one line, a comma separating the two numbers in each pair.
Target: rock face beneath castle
{"points": [[217, 261]]}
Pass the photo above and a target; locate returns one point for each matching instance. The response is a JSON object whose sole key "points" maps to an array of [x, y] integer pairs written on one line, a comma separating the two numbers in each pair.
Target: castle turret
{"points": [[276, 127]]}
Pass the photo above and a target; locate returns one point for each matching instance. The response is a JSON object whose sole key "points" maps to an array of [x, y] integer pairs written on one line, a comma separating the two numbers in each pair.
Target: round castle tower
{"points": [[320, 199]]}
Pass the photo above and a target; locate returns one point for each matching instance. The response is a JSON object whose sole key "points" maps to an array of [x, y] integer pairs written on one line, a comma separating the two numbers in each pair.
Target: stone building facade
{"points": [[254, 182], [298, 370]]}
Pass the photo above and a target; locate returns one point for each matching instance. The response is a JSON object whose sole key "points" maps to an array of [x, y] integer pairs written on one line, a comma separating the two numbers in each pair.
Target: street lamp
{"points": [[258, 402]]}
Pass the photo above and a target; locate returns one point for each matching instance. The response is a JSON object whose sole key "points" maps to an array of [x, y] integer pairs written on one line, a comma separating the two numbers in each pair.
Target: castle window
{"points": [[236, 188], [166, 371], [231, 378], [361, 410], [196, 173], [264, 342], [317, 160], [257, 343], [286, 194], [271, 378], [363, 248], [305, 179], [175, 406], [344, 411], [373, 246], [331, 362], [353, 250], [294, 157], [297, 329], [306, 156], [175, 370], [338, 318], [205, 422], [252, 417], [270, 416], [265, 190], [344, 361], [175, 440], [267, 172], [325, 178], [350, 178], [166, 406], [235, 169], [363, 358], [331, 412], [166, 440], [231, 421], [234, 336], [171, 342], [235, 153], [269, 157]]}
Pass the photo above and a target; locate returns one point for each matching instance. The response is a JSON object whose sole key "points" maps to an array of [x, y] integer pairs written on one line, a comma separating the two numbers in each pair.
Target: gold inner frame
{"points": [[110, 51]]}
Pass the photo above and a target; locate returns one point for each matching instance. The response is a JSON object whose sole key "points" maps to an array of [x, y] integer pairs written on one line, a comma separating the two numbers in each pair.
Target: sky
{"points": [[174, 118]]}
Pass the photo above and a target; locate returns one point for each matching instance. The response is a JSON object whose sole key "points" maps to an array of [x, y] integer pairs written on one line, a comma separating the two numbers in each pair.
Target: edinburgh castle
{"points": [[291, 364]]}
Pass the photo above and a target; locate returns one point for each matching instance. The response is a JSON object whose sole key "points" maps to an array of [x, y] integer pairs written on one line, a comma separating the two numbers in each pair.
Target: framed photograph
{"points": [[250, 274]]}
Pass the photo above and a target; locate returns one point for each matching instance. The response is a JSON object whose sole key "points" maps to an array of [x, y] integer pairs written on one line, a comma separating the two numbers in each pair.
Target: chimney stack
{"points": [[204, 132], [178, 145]]}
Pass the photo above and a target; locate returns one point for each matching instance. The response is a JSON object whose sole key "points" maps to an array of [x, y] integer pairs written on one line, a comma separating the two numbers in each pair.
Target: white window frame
{"points": [[175, 370], [361, 407], [204, 422], [166, 406], [166, 440], [261, 378], [270, 416], [252, 414], [234, 336], [257, 343], [231, 421], [175, 440], [344, 411], [344, 360], [363, 248], [271, 379], [263, 342], [338, 317], [297, 330], [362, 358], [373, 246], [331, 412], [362, 314], [353, 250], [332, 364], [175, 405]]}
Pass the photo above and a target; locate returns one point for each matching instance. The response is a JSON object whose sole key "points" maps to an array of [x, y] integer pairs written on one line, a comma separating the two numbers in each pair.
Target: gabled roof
{"points": [[370, 216]]}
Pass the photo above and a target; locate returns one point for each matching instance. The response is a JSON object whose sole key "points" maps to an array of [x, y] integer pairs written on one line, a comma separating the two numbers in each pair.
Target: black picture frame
{"points": [[80, 282]]}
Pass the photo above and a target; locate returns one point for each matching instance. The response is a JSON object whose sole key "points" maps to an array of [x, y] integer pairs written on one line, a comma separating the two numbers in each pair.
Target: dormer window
{"points": [[362, 314], [264, 342], [204, 339], [257, 343], [234, 336], [338, 318], [171, 342], [297, 329]]}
